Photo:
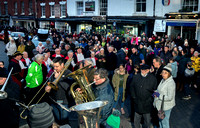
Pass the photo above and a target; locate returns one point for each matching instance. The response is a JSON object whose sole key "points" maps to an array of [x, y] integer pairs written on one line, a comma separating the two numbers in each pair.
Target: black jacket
{"points": [[142, 89], [121, 57], [63, 92], [9, 111], [111, 61]]}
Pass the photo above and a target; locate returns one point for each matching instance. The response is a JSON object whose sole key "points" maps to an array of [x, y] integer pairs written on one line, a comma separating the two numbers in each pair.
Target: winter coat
{"points": [[189, 73], [121, 57], [111, 61], [63, 93], [182, 64], [104, 92], [195, 63], [8, 108], [142, 89], [174, 69], [21, 48], [116, 82], [168, 88], [165, 56], [34, 77], [11, 48]]}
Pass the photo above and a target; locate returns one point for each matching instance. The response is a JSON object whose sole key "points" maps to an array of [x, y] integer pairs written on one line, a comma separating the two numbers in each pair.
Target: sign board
{"points": [[90, 6], [165, 2], [99, 18], [160, 26], [57, 10]]}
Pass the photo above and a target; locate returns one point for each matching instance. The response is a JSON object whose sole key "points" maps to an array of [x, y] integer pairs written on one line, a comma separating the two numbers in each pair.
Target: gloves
{"points": [[157, 94]]}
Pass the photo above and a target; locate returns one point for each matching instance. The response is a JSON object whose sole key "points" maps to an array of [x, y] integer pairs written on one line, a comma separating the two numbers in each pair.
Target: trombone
{"points": [[52, 84]]}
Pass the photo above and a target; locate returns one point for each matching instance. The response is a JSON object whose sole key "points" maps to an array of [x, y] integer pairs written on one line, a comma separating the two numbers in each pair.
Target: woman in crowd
{"points": [[29, 48], [167, 89], [196, 65], [101, 62], [119, 83], [11, 48]]}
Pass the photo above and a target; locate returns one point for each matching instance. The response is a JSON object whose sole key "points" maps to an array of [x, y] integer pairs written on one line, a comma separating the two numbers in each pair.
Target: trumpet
{"points": [[52, 84], [3, 94]]}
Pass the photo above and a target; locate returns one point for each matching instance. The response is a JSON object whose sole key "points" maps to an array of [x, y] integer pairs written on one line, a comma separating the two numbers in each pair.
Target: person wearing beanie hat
{"points": [[8, 108], [113, 120], [166, 88], [40, 116], [196, 65]]}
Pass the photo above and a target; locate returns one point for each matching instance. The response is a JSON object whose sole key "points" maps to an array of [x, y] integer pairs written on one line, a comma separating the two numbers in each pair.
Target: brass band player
{"points": [[62, 94]]}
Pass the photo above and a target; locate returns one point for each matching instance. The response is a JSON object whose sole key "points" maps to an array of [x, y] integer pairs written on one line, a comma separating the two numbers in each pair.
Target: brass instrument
{"points": [[52, 84], [80, 76], [90, 112], [55, 82], [3, 94]]}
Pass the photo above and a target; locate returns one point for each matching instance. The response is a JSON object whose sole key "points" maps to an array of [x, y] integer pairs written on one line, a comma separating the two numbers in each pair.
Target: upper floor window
{"points": [[63, 8], [103, 7], [189, 5], [80, 8], [22, 8], [6, 7], [30, 7], [42, 10], [52, 9], [15, 8], [140, 5]]}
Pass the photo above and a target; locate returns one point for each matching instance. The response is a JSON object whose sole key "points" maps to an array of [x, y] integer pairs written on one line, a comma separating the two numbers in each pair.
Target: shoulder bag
{"points": [[161, 113]]}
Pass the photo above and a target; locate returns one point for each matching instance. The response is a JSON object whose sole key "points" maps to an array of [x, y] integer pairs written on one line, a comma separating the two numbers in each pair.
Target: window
{"points": [[6, 8], [63, 10], [103, 7], [190, 5], [15, 5], [43, 11], [52, 11], [140, 5], [80, 8], [30, 7], [22, 8]]}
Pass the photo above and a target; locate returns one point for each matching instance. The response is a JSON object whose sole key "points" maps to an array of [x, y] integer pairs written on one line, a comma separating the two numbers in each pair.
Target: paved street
{"points": [[186, 114]]}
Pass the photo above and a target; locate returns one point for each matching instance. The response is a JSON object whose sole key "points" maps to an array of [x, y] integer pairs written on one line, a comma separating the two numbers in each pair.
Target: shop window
{"points": [[63, 10], [30, 7], [80, 8], [6, 8], [140, 5], [22, 8], [189, 5], [15, 5], [103, 7]]}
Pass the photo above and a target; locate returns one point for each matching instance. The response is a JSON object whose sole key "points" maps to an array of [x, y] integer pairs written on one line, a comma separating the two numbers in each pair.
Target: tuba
{"points": [[80, 76], [55, 82]]}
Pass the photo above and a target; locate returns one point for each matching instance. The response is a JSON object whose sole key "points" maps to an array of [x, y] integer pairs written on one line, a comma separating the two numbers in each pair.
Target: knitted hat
{"points": [[3, 72], [168, 68], [114, 119], [40, 116]]}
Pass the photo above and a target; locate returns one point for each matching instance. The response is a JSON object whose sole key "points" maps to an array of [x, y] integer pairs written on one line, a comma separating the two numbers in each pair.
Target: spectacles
{"points": [[96, 79]]}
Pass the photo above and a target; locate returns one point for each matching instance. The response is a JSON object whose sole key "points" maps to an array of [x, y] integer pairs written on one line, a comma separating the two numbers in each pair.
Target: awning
{"points": [[181, 23]]}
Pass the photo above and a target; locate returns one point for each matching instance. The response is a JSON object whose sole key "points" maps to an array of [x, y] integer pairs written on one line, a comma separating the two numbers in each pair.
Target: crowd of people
{"points": [[144, 71]]}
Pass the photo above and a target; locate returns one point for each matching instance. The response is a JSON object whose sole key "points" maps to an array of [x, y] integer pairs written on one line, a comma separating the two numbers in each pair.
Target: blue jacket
{"points": [[104, 92]]}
